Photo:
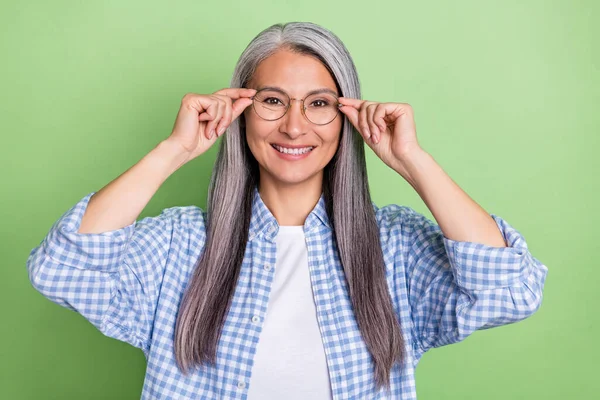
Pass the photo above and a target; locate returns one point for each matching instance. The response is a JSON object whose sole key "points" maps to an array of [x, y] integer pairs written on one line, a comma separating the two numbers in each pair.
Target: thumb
{"points": [[352, 114], [239, 106]]}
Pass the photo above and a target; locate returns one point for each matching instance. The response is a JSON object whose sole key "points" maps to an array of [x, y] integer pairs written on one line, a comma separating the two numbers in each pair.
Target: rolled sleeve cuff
{"points": [[92, 251], [478, 266]]}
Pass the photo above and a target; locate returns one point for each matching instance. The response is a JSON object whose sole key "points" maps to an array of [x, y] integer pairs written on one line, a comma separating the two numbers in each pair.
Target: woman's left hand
{"points": [[388, 128]]}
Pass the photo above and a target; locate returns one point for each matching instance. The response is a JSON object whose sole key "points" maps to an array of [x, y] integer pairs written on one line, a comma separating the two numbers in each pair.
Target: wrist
{"points": [[169, 155], [410, 163]]}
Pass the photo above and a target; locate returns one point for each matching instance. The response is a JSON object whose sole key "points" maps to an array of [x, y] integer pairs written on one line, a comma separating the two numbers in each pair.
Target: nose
{"points": [[293, 122]]}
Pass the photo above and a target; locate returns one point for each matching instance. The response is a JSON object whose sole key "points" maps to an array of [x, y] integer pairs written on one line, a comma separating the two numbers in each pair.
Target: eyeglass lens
{"points": [[320, 108]]}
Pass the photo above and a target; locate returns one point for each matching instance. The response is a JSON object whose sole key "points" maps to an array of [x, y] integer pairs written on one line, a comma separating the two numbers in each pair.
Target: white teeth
{"points": [[293, 151]]}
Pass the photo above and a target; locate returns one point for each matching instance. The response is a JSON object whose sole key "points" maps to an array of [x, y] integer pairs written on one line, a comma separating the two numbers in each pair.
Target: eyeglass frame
{"points": [[303, 109]]}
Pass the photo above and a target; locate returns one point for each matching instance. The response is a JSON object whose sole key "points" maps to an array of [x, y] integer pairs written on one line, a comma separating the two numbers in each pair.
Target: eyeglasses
{"points": [[319, 108]]}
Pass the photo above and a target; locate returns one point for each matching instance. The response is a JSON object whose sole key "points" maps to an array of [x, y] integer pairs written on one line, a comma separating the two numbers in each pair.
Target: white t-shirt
{"points": [[290, 359]]}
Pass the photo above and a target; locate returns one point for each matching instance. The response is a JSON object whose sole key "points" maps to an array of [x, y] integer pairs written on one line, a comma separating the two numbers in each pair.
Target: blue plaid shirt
{"points": [[129, 282]]}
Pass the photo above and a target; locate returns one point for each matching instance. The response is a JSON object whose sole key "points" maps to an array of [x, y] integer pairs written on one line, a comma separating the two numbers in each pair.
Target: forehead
{"points": [[296, 73]]}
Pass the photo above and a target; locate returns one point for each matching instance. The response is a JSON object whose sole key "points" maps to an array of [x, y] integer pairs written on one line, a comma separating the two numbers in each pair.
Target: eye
{"points": [[319, 103], [273, 101]]}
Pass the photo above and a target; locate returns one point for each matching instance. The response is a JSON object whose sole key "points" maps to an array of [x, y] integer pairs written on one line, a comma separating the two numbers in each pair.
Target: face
{"points": [[297, 75]]}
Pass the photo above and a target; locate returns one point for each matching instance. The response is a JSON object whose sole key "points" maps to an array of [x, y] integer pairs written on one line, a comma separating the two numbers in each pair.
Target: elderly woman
{"points": [[293, 283]]}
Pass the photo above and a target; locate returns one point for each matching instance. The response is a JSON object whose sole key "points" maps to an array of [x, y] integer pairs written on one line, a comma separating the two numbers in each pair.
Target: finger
{"points": [[378, 117], [219, 118], [362, 120], [348, 101], [373, 128], [212, 124], [239, 106], [242, 95], [209, 114], [205, 117], [352, 114], [236, 93], [226, 119]]}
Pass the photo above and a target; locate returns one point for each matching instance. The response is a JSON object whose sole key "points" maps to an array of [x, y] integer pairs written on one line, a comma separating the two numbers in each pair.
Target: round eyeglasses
{"points": [[319, 108]]}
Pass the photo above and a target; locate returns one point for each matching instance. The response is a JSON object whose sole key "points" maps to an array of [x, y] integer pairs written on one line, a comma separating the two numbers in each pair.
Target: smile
{"points": [[295, 151]]}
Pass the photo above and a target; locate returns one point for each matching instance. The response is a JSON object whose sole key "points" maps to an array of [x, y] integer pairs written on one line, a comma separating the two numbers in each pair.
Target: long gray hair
{"points": [[348, 202]]}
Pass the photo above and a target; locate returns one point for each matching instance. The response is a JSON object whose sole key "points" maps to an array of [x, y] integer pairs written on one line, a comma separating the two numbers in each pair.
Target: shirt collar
{"points": [[262, 221]]}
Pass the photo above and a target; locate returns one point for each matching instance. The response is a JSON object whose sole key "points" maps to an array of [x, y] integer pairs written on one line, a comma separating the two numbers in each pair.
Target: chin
{"points": [[286, 179], [292, 177]]}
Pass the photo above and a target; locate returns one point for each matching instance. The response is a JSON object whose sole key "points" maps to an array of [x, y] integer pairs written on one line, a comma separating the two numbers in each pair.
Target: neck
{"points": [[290, 204]]}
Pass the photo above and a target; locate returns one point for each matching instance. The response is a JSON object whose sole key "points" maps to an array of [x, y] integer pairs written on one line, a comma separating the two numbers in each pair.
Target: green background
{"points": [[505, 95]]}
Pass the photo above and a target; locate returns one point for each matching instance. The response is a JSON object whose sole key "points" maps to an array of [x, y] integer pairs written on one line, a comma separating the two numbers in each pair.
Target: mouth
{"points": [[294, 151]]}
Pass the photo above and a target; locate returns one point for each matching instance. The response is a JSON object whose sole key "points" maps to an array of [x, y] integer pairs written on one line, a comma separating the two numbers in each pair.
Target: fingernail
{"points": [[212, 133], [221, 130]]}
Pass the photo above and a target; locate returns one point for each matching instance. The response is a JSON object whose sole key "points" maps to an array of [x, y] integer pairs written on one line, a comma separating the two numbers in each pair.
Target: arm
{"points": [[99, 261], [111, 272], [459, 217], [472, 271], [119, 203]]}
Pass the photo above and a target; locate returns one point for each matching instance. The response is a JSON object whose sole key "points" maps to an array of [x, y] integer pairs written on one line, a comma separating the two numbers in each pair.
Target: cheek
{"points": [[256, 128], [254, 136], [332, 136]]}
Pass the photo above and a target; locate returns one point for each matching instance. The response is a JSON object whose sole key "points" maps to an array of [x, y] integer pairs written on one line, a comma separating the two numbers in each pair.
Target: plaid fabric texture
{"points": [[129, 283]]}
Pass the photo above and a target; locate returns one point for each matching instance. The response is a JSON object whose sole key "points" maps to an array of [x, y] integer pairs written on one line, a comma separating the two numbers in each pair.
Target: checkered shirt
{"points": [[129, 283]]}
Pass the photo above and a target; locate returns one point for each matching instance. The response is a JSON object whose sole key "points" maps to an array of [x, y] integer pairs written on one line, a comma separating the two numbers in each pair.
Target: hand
{"points": [[388, 128], [203, 118]]}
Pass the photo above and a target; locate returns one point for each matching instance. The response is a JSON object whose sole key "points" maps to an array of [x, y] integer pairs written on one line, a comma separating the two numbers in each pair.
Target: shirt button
{"points": [[241, 384], [255, 319], [267, 267]]}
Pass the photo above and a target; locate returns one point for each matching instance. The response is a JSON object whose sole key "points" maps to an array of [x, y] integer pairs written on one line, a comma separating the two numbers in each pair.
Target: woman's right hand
{"points": [[203, 118]]}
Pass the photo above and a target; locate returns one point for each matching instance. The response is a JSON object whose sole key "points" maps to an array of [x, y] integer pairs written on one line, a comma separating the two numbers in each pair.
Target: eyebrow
{"points": [[315, 91]]}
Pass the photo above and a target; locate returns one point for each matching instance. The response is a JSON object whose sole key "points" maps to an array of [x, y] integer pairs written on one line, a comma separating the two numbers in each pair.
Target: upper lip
{"points": [[292, 146]]}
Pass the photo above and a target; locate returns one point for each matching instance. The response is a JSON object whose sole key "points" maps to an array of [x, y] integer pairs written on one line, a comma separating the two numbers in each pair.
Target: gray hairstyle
{"points": [[348, 202]]}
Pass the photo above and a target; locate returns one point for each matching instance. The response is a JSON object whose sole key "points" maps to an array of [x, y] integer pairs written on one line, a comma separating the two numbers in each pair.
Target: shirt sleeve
{"points": [[457, 287], [113, 279]]}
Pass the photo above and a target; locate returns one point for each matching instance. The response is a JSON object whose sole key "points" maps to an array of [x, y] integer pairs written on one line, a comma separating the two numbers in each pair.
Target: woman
{"points": [[293, 283]]}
